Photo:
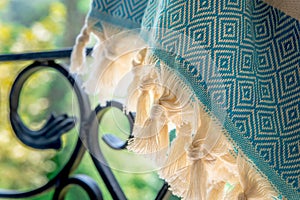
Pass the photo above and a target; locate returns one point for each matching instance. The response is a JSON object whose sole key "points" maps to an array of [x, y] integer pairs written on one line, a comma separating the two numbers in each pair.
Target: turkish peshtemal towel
{"points": [[224, 73]]}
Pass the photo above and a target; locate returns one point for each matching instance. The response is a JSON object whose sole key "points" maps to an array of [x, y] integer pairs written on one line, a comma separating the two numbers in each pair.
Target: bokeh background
{"points": [[38, 25]]}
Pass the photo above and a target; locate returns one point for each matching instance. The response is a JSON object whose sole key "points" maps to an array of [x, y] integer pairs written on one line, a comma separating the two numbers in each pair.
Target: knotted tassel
{"points": [[153, 136], [112, 75], [223, 170], [138, 70], [191, 181], [111, 62], [219, 175], [200, 157], [177, 99], [78, 55], [112, 57], [133, 92], [177, 158], [252, 185], [147, 86], [204, 154], [143, 107], [98, 66]]}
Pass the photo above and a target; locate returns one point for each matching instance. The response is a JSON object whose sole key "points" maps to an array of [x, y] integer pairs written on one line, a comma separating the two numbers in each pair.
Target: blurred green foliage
{"points": [[43, 25]]}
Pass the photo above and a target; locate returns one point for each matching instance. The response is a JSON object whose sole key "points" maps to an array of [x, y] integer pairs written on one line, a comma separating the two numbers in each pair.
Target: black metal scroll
{"points": [[49, 136]]}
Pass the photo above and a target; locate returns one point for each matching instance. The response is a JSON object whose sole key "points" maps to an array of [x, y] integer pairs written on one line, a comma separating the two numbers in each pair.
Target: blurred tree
{"points": [[36, 26], [18, 33], [74, 17]]}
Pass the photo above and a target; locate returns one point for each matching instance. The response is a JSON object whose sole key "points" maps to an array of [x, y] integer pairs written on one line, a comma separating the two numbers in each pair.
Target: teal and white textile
{"points": [[239, 63]]}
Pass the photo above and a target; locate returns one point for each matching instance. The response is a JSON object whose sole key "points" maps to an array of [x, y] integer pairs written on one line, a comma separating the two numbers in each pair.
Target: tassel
{"points": [[143, 107], [176, 86], [198, 184], [217, 191], [177, 157], [223, 172], [203, 155], [191, 181], [153, 136], [78, 54], [112, 57], [133, 92], [198, 181], [162, 145], [180, 181], [150, 132], [147, 86], [252, 184], [98, 66], [172, 111], [112, 75], [199, 157], [137, 70], [110, 64]]}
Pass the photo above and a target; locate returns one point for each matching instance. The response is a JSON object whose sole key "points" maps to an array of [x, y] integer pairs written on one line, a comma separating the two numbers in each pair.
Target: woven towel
{"points": [[224, 73]]}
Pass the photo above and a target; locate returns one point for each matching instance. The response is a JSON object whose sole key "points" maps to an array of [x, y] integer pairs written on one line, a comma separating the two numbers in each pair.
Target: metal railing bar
{"points": [[43, 55]]}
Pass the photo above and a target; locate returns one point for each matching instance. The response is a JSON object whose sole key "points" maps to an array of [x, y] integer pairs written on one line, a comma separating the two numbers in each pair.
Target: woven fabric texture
{"points": [[241, 58]]}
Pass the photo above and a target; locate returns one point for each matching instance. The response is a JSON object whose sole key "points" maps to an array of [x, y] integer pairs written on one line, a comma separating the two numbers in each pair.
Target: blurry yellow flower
{"points": [[29, 36], [58, 10], [5, 32], [54, 22]]}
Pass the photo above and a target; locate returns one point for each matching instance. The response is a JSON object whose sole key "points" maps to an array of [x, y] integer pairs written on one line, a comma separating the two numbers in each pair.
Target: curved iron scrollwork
{"points": [[87, 183], [110, 139], [92, 143], [49, 137]]}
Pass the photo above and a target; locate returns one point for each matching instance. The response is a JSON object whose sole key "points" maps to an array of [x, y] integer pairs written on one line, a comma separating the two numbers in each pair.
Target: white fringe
{"points": [[112, 58], [200, 162], [78, 54]]}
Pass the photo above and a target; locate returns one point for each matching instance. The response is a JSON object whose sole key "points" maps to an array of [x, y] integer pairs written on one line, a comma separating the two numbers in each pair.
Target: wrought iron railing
{"points": [[49, 136]]}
